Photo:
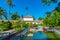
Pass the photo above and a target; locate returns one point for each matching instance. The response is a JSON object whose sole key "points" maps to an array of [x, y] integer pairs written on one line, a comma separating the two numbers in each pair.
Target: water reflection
{"points": [[37, 36]]}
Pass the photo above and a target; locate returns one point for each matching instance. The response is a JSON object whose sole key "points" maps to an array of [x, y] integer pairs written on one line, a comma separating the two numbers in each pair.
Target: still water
{"points": [[39, 36], [36, 36]]}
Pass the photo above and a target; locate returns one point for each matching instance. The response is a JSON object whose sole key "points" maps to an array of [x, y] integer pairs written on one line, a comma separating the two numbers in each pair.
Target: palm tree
{"points": [[10, 4], [2, 13]]}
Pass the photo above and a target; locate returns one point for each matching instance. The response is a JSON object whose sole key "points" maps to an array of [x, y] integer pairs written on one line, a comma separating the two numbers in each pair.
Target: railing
{"points": [[11, 36], [4, 34]]}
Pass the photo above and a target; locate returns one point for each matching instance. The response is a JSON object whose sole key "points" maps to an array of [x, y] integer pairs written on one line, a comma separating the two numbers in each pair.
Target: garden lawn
{"points": [[58, 35], [52, 36]]}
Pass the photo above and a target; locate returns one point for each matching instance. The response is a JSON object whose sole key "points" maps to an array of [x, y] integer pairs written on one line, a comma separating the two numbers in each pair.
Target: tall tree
{"points": [[2, 13], [15, 16], [53, 20], [10, 4]]}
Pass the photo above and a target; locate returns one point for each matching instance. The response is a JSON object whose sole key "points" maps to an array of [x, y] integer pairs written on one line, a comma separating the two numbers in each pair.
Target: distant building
{"points": [[27, 19]]}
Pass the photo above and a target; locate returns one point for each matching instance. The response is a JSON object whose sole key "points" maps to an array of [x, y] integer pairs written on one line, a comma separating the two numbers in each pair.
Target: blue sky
{"points": [[36, 7]]}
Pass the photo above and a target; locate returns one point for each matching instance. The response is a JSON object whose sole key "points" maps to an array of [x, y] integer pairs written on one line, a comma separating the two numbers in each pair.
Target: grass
{"points": [[58, 35], [52, 36]]}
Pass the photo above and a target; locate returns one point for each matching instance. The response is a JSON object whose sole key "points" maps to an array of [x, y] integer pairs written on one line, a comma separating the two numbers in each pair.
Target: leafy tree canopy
{"points": [[53, 20], [15, 16]]}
